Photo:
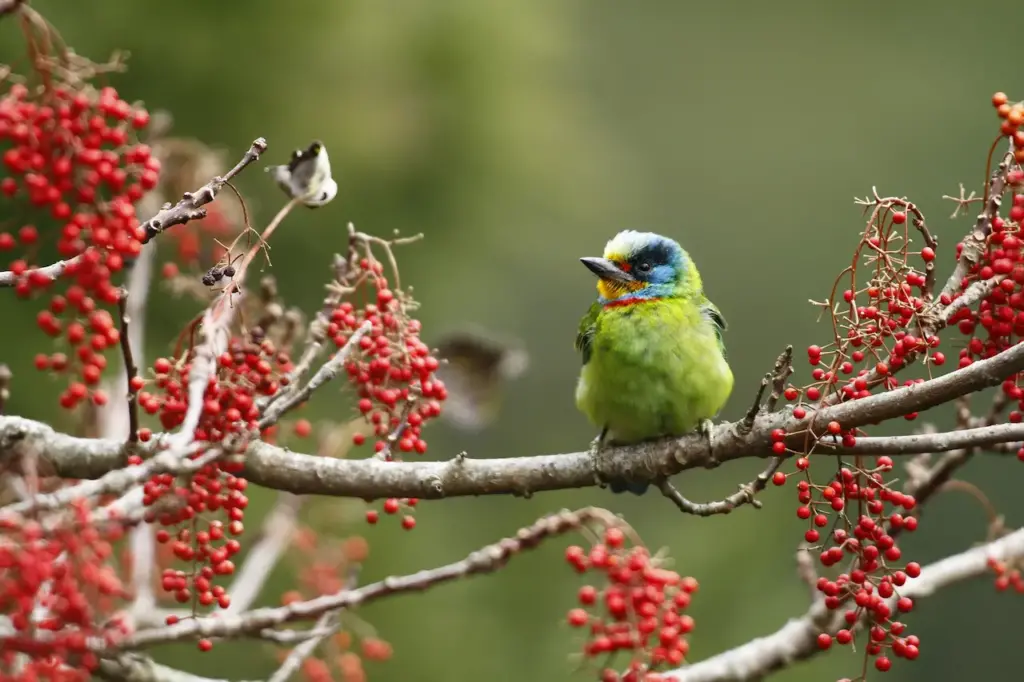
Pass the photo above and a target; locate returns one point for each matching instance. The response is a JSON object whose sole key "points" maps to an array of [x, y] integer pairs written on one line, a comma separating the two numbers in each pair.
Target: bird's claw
{"points": [[706, 428], [595, 461]]}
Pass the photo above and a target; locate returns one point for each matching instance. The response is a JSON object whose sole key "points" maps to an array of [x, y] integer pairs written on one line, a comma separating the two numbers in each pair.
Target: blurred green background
{"points": [[519, 136]]}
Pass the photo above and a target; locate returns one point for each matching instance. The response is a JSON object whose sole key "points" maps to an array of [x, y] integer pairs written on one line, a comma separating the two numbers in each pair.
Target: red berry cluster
{"points": [[246, 371], [71, 154], [60, 592], [873, 582], [866, 591], [638, 609], [1012, 115], [997, 322], [882, 315], [881, 326], [393, 373]]}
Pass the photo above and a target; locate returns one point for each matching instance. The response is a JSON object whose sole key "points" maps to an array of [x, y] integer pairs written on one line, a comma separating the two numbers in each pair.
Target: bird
{"points": [[476, 366], [307, 176], [652, 345]]}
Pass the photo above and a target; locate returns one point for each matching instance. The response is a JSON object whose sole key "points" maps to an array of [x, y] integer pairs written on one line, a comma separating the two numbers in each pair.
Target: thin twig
{"points": [[745, 495], [327, 624], [189, 208], [131, 371], [328, 371], [777, 380], [974, 243]]}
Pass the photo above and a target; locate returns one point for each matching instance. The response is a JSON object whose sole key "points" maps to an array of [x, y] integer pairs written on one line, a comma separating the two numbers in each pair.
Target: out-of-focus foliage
{"points": [[521, 135]]}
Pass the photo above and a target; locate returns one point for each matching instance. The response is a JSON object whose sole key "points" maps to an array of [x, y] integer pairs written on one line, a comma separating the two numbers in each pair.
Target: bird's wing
{"points": [[585, 335], [713, 315]]}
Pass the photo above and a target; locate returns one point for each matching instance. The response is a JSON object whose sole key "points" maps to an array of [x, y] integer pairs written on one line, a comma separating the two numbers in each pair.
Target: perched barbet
{"points": [[654, 362]]}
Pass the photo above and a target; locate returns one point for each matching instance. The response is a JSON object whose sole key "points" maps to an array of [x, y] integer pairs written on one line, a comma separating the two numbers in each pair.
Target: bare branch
{"points": [[745, 495], [190, 206], [975, 242], [326, 624], [130, 369], [797, 639], [932, 442]]}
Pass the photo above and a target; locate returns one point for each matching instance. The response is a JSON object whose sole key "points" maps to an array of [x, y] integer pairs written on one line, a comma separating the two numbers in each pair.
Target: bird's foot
{"points": [[595, 459], [706, 428]]}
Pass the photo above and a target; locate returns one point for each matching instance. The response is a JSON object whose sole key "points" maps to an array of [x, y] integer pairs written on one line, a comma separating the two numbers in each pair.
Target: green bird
{"points": [[654, 362]]}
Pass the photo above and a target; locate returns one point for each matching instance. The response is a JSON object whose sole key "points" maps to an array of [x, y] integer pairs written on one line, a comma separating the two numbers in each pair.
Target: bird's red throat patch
{"points": [[625, 302]]}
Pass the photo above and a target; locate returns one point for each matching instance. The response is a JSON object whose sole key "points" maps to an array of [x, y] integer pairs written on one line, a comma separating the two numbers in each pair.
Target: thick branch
{"points": [[797, 639], [280, 469]]}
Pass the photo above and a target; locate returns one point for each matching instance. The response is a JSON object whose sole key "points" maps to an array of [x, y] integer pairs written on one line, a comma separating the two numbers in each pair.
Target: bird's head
{"points": [[639, 265]]}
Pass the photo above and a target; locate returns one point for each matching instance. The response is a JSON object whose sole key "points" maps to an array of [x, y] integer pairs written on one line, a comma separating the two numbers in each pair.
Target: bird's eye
{"points": [[644, 267]]}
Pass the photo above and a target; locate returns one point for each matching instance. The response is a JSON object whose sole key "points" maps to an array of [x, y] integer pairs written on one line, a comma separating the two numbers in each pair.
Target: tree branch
{"points": [[327, 624], [134, 668], [931, 442], [328, 371], [280, 469], [485, 560], [130, 370], [975, 242]]}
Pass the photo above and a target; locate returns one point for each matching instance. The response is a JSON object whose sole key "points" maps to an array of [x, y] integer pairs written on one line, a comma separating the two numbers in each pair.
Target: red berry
{"points": [[303, 428], [578, 618]]}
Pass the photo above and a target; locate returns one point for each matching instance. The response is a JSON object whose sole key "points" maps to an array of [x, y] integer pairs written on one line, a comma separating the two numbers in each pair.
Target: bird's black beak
{"points": [[605, 269]]}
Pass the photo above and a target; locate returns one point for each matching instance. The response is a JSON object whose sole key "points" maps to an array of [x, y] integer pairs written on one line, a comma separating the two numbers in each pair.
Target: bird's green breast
{"points": [[655, 368]]}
